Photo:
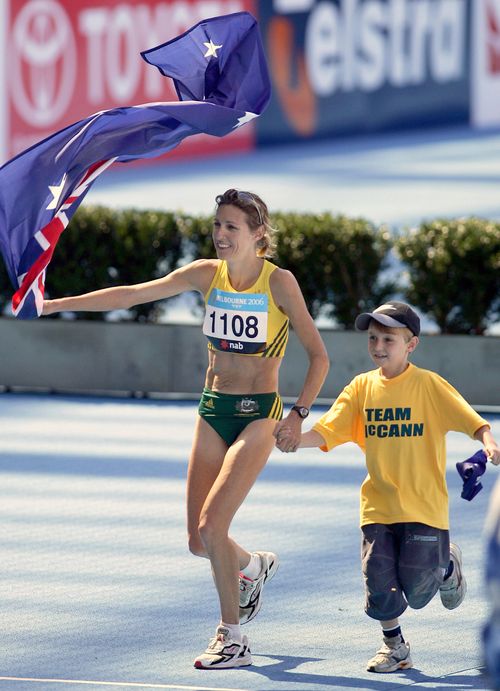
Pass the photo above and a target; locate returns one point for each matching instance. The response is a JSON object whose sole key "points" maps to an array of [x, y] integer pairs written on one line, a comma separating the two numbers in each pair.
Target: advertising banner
{"points": [[64, 60], [337, 66], [354, 66], [485, 87]]}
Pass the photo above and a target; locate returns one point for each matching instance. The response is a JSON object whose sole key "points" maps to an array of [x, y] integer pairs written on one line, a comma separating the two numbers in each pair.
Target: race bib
{"points": [[236, 322]]}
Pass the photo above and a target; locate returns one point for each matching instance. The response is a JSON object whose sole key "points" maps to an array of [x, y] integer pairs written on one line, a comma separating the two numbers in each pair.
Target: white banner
{"points": [[485, 74]]}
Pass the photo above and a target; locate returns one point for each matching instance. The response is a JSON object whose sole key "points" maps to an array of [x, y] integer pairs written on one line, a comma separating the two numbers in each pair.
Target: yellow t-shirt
{"points": [[246, 322], [400, 424]]}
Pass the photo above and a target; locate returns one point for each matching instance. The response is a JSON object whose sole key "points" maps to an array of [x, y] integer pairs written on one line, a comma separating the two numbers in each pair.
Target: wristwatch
{"points": [[301, 410]]}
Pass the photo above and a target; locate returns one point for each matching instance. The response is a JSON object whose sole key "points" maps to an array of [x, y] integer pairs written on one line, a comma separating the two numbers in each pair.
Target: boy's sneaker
{"points": [[224, 653], [251, 590], [393, 655], [453, 589]]}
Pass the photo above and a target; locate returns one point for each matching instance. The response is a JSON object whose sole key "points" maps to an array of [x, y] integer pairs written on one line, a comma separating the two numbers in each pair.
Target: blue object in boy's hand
{"points": [[470, 470]]}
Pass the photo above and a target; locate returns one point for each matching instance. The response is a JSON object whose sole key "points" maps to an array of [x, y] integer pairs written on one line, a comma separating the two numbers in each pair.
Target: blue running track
{"points": [[99, 591]]}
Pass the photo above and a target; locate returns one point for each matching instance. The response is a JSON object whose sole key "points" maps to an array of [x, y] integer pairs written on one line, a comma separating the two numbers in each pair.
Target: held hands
{"points": [[288, 433]]}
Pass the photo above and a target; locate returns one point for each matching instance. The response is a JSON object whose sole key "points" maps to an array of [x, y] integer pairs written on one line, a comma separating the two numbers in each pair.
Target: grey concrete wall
{"points": [[171, 359]]}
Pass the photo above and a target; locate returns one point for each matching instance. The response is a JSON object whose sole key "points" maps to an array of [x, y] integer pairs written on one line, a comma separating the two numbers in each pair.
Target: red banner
{"points": [[64, 60]]}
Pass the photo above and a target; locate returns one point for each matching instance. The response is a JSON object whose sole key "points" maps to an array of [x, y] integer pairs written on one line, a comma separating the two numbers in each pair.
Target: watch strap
{"points": [[301, 411]]}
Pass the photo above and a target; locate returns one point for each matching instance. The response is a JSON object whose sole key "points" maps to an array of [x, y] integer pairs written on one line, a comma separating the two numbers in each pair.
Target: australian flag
{"points": [[221, 77]]}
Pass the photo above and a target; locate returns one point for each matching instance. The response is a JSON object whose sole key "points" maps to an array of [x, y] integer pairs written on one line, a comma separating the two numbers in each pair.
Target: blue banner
{"points": [[356, 66]]}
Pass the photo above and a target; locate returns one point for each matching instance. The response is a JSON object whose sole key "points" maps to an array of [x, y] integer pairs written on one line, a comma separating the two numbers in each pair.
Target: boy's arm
{"points": [[337, 426], [484, 435], [311, 439]]}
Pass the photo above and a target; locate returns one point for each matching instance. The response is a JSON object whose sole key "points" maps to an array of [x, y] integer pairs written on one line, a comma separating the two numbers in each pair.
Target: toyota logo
{"points": [[43, 62]]}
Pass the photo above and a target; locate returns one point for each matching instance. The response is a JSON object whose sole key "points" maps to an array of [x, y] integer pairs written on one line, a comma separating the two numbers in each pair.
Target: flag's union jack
{"points": [[221, 77], [40, 248]]}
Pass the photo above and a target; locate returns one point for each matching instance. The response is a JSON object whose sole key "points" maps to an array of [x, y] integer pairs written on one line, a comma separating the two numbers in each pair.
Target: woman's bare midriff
{"points": [[241, 374]]}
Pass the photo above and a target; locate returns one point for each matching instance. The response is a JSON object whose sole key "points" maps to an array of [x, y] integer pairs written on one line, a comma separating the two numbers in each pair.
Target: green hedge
{"points": [[337, 261], [5, 287], [452, 265], [104, 247], [454, 272]]}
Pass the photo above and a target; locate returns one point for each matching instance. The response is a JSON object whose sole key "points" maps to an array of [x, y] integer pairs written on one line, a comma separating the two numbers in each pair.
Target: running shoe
{"points": [[224, 653], [453, 589], [393, 655], [251, 589]]}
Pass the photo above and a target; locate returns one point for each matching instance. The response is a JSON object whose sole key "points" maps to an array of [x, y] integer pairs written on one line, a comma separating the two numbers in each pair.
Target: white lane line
{"points": [[131, 684]]}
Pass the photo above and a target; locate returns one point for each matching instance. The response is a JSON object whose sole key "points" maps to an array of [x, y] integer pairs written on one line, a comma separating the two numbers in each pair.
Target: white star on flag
{"points": [[212, 49], [244, 119], [56, 191]]}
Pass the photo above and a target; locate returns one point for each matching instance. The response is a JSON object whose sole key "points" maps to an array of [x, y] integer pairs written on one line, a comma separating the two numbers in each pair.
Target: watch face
{"points": [[303, 412]]}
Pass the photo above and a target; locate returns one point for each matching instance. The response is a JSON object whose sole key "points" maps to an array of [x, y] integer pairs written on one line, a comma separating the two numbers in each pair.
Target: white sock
{"points": [[253, 568], [234, 630]]}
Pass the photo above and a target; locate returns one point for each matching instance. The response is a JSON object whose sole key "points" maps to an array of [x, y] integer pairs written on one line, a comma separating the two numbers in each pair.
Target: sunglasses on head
{"points": [[248, 197]]}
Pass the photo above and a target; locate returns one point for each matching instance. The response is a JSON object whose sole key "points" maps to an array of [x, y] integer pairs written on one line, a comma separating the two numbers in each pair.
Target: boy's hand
{"points": [[493, 453], [288, 433], [484, 435]]}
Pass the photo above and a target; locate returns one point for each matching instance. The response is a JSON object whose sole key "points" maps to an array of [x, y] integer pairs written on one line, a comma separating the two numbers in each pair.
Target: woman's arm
{"points": [[194, 276], [288, 296]]}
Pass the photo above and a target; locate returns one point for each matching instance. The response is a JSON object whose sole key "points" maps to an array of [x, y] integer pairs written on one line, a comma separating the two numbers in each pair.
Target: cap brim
{"points": [[363, 321]]}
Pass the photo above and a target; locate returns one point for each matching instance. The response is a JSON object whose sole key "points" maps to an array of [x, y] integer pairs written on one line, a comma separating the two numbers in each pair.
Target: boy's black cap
{"points": [[392, 313]]}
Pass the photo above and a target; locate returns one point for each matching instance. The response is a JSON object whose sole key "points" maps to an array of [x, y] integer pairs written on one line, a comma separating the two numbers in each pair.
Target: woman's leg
{"points": [[216, 489], [206, 459], [207, 456]]}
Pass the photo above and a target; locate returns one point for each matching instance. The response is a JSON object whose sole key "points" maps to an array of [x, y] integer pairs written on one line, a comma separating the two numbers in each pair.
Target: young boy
{"points": [[399, 415]]}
